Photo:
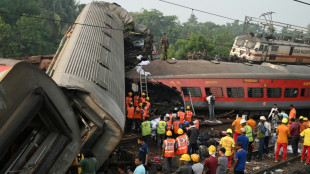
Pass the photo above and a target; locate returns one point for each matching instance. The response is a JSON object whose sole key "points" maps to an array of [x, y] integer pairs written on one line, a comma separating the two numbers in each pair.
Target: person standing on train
{"points": [[211, 103], [292, 112], [236, 124], [273, 110]]}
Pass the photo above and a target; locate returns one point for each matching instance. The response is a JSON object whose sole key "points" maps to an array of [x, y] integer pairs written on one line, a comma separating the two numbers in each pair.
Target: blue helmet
{"points": [[186, 123], [181, 108]]}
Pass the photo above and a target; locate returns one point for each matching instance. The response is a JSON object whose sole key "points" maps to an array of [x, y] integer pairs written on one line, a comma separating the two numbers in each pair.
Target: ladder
{"points": [[143, 84]]}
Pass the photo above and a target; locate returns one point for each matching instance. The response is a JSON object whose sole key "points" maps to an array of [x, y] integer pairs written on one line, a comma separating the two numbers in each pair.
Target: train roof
{"points": [[204, 69], [271, 42]]}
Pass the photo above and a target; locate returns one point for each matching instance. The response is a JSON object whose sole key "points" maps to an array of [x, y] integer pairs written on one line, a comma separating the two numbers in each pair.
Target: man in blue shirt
{"points": [[240, 160], [140, 168], [143, 151], [244, 140]]}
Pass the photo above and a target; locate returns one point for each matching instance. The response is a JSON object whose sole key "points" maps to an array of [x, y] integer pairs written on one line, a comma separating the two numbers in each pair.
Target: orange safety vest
{"points": [[292, 113], [136, 101], [176, 126], [188, 116], [138, 113], [197, 124], [169, 125], [169, 147], [142, 99], [128, 100], [146, 112], [130, 112], [182, 142], [182, 116], [148, 104]]}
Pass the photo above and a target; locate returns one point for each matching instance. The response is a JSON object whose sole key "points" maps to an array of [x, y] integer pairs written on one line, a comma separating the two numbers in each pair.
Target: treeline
{"points": [[33, 27], [196, 36]]}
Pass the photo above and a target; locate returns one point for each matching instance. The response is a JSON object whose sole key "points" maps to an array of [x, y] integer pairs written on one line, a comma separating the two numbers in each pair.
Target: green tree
{"points": [[5, 37], [171, 51]]}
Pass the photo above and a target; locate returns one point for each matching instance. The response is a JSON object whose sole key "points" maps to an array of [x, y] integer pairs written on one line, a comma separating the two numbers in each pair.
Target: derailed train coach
{"points": [[47, 119]]}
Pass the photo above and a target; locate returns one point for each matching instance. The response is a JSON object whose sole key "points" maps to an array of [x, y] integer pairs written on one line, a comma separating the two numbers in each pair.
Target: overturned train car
{"points": [[47, 119]]}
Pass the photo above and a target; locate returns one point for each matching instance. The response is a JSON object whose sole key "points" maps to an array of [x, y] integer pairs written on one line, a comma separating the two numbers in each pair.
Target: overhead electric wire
{"points": [[302, 2], [202, 11]]}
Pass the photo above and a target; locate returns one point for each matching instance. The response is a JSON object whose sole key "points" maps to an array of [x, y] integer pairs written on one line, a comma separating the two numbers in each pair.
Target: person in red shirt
{"points": [[128, 99], [211, 163]]}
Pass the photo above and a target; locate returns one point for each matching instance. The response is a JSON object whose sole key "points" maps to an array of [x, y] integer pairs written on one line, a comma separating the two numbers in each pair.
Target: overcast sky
{"points": [[286, 11]]}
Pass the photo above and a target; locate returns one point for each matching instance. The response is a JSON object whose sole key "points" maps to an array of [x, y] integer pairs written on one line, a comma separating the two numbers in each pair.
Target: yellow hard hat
{"points": [[195, 157], [147, 98], [130, 93], [229, 131], [185, 157], [180, 131], [143, 93], [169, 133], [212, 149], [140, 104], [188, 107], [301, 118], [305, 119], [284, 120]]}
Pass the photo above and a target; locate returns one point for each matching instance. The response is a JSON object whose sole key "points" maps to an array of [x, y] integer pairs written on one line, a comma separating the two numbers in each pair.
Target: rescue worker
{"points": [[197, 167], [294, 130], [164, 43], [138, 117], [136, 100], [146, 127], [142, 98], [185, 126], [176, 126], [148, 45], [283, 134], [169, 124], [146, 111], [211, 163], [182, 143], [196, 123], [185, 168], [305, 122], [251, 122], [192, 134], [181, 115], [292, 112], [128, 99], [237, 126], [302, 126], [188, 114], [130, 117], [261, 133], [248, 133], [306, 145], [147, 101], [161, 129], [228, 143], [168, 151]]}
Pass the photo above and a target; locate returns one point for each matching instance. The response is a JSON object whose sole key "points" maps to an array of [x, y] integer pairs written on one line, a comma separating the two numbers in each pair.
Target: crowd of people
{"points": [[177, 134]]}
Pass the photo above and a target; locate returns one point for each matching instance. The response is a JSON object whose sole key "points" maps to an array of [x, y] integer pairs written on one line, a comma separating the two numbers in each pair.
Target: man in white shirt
{"points": [[273, 110], [211, 103]]}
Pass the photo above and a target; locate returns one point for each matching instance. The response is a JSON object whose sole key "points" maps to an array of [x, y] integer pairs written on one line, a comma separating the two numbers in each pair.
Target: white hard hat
{"points": [[242, 121], [262, 118]]}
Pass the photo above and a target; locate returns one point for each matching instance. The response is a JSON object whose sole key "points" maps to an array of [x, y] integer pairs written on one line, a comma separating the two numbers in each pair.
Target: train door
{"points": [[264, 53]]}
